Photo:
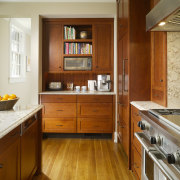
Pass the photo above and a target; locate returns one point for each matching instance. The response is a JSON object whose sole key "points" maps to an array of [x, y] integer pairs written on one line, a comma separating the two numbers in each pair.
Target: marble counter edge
{"points": [[77, 93], [20, 121], [146, 105]]}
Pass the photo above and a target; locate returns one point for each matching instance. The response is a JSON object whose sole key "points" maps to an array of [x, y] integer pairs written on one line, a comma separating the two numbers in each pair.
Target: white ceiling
{"points": [[110, 1]]}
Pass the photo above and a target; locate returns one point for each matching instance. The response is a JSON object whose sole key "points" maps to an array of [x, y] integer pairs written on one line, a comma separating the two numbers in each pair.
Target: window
{"points": [[17, 54]]}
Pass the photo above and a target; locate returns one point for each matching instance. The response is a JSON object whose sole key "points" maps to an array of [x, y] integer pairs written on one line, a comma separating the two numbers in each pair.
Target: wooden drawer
{"points": [[67, 125], [8, 139], [56, 110], [137, 162], [135, 114], [94, 125], [103, 110], [57, 98], [95, 98]]}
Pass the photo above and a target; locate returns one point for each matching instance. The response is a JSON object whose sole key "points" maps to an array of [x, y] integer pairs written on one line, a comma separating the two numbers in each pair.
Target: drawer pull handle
{"points": [[59, 110], [60, 98], [59, 125], [96, 126], [1, 165], [95, 110]]}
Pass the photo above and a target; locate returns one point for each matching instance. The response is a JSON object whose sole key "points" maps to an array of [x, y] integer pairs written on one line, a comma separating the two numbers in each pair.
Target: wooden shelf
{"points": [[78, 40], [77, 55]]}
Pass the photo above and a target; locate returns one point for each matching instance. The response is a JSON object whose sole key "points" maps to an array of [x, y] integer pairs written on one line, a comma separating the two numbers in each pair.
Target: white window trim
{"points": [[22, 77]]}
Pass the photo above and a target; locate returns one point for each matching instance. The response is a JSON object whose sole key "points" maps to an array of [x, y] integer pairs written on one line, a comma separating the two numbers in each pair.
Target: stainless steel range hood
{"points": [[166, 12]]}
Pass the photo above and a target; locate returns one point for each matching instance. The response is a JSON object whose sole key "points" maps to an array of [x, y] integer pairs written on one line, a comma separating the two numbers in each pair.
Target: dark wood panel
{"points": [[46, 98], [159, 67], [29, 151], [10, 160], [55, 110], [137, 163], [101, 110], [66, 125], [103, 47], [94, 98], [94, 125]]}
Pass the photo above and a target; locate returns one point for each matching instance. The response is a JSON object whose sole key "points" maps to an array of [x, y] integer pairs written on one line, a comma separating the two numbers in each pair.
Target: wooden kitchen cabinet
{"points": [[10, 155], [134, 64], [53, 48], [29, 148], [100, 32], [103, 47], [59, 113], [95, 114], [78, 113], [136, 146], [159, 67]]}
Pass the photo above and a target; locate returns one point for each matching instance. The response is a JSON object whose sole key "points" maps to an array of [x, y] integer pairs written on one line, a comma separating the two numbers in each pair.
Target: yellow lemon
{"points": [[3, 99], [13, 96], [0, 98], [6, 96], [10, 98]]}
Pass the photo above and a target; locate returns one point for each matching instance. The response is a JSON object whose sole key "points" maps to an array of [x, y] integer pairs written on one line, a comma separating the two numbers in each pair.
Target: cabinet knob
{"points": [[96, 66], [1, 165], [161, 80], [59, 67]]}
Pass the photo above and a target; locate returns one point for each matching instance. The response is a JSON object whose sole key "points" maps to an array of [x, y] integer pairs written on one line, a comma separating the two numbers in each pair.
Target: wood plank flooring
{"points": [[83, 159]]}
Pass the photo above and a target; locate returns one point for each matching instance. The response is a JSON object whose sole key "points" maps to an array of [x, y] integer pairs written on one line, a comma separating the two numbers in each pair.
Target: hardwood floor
{"points": [[83, 159]]}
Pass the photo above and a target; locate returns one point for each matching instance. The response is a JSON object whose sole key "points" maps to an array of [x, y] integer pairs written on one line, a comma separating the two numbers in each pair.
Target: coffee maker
{"points": [[104, 83]]}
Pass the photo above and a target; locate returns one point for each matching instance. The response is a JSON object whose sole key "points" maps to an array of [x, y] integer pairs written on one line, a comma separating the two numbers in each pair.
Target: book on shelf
{"points": [[69, 32], [77, 48]]}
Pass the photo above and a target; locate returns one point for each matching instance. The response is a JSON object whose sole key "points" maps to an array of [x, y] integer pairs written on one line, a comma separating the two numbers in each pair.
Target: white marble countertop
{"points": [[78, 93], [146, 105], [9, 120]]}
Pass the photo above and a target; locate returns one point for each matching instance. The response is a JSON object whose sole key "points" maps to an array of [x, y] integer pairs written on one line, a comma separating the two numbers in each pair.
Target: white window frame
{"points": [[18, 39]]}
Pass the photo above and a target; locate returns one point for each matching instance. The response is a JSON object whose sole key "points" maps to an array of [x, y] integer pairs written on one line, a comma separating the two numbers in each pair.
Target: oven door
{"points": [[154, 165]]}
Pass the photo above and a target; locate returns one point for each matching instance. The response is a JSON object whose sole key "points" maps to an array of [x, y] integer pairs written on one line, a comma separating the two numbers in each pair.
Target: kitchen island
{"points": [[20, 142]]}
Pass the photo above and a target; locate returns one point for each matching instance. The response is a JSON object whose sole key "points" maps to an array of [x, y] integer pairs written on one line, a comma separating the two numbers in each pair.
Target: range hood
{"points": [[165, 16]]}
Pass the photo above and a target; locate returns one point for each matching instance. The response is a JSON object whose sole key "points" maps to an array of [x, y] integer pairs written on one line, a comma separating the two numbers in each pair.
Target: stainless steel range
{"points": [[160, 142]]}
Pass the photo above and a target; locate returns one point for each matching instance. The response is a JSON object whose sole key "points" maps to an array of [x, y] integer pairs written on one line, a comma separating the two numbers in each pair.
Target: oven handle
{"points": [[157, 162], [144, 141]]}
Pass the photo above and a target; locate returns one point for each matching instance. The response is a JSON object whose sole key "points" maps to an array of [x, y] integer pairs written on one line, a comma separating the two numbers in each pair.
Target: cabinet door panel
{"points": [[10, 161], [29, 151], [137, 163], [103, 47], [59, 110], [53, 36], [103, 110]]}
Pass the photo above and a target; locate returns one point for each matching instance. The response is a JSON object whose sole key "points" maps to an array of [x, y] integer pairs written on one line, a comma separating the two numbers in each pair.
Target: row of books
{"points": [[69, 32], [77, 48]]}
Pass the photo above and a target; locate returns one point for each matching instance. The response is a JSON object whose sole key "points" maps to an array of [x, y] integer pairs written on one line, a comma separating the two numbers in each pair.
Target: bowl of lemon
{"points": [[8, 101]]}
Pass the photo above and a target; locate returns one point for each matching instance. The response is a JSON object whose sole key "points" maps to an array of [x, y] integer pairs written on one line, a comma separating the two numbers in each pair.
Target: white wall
{"points": [[22, 89], [29, 91]]}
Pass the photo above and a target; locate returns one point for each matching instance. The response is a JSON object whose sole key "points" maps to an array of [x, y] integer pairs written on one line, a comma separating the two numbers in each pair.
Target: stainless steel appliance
{"points": [[75, 64], [160, 142], [165, 16], [104, 83], [55, 86]]}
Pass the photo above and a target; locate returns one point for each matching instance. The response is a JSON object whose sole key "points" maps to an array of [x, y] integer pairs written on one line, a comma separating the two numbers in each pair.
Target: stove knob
{"points": [[143, 126], [153, 140], [171, 159], [139, 123]]}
